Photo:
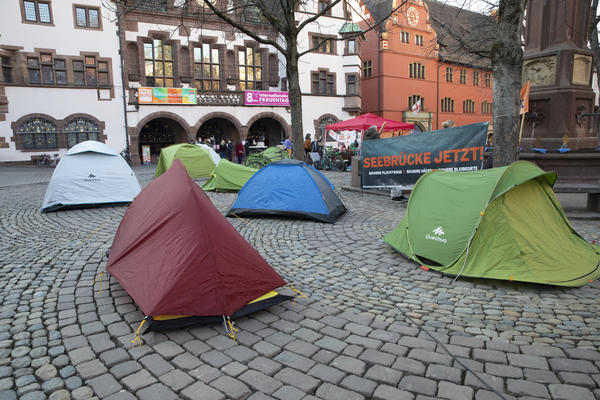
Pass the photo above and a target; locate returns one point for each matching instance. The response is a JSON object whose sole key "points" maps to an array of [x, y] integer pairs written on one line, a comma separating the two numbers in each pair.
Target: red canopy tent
{"points": [[366, 120]]}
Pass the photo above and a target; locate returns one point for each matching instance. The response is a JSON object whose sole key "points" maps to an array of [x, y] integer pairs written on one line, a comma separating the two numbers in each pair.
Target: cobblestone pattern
{"points": [[62, 338]]}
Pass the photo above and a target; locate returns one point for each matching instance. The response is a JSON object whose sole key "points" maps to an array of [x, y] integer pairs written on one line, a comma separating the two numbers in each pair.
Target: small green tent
{"points": [[228, 176], [500, 223], [197, 160]]}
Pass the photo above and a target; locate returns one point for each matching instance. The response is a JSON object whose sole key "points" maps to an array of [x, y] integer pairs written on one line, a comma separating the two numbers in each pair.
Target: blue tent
{"points": [[288, 188]]}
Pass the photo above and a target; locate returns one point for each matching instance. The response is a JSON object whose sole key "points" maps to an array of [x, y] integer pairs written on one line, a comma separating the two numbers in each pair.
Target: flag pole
{"points": [[521, 129]]}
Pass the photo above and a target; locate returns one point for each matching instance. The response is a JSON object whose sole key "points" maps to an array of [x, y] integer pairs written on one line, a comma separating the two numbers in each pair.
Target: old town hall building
{"points": [[408, 59]]}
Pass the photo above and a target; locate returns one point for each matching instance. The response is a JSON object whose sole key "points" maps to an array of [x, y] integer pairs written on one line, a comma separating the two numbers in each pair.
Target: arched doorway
{"points": [[267, 130], [216, 130], [159, 133]]}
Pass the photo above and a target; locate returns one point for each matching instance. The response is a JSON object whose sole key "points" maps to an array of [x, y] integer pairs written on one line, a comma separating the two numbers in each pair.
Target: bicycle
{"points": [[47, 161], [125, 154], [331, 160]]}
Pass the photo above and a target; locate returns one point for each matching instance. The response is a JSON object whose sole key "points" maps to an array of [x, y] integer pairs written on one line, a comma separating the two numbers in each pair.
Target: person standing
{"points": [[307, 145], [239, 152], [288, 146], [229, 150]]}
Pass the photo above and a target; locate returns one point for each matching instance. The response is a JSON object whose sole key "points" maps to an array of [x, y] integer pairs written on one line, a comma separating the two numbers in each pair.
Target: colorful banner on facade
{"points": [[158, 95], [399, 162], [263, 98]]}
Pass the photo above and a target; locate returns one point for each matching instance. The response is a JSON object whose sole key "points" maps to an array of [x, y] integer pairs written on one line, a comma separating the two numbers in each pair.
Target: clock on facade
{"points": [[412, 15]]}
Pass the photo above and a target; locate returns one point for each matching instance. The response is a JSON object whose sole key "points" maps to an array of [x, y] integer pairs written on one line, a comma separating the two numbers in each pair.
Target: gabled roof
{"points": [[475, 29]]}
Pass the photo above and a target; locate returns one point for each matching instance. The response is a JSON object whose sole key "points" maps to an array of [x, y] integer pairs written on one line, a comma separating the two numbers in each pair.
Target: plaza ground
{"points": [[374, 325]]}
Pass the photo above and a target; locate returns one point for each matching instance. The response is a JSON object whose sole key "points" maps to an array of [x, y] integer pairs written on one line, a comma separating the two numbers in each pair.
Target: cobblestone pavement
{"points": [[61, 337]]}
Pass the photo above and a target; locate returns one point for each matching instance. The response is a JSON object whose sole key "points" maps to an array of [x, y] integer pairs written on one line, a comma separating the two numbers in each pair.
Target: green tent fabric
{"points": [[197, 160], [265, 157], [500, 223], [228, 176]]}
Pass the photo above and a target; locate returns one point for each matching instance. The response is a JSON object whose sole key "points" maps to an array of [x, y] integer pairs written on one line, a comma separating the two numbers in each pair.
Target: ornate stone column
{"points": [[559, 65]]}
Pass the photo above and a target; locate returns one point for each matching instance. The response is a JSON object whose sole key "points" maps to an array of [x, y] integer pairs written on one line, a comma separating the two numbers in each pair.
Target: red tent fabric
{"points": [[175, 253], [366, 120]]}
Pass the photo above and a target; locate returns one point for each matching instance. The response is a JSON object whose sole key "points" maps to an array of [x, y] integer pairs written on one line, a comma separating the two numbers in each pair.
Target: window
{"points": [[47, 69], [158, 64], [80, 130], [87, 17], [405, 37], [463, 77], [351, 46], [475, 78], [486, 108], [250, 69], [206, 67], [251, 12], [37, 11], [60, 69], [33, 65], [468, 106], [37, 133], [6, 69], [323, 83], [416, 70], [103, 73], [90, 71], [323, 4], [413, 99], [321, 131], [449, 73], [323, 45], [351, 87], [419, 40], [447, 104], [367, 68], [488, 80], [78, 75]]}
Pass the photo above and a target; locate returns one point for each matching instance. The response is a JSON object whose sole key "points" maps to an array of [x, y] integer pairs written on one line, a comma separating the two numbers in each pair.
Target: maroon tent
{"points": [[175, 254], [366, 120]]}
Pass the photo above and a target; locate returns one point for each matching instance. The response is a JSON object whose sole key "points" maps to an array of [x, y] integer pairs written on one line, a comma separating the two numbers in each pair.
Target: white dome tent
{"points": [[90, 174]]}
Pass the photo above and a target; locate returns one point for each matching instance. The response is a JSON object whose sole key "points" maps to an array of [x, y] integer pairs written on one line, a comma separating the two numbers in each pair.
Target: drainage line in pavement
{"points": [[433, 337], [501, 395]]}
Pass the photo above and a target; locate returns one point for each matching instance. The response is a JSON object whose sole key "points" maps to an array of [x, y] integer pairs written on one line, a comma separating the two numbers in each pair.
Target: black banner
{"points": [[399, 162]]}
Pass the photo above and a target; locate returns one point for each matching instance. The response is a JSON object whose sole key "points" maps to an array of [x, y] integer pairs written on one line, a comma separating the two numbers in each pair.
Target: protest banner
{"points": [[399, 162]]}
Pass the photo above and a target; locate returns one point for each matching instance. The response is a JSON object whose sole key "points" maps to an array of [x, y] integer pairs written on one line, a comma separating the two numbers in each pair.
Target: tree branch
{"points": [[243, 29]]}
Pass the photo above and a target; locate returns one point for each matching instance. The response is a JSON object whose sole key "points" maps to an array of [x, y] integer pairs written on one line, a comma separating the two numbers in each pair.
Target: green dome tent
{"points": [[228, 176], [197, 160], [500, 223], [265, 157]]}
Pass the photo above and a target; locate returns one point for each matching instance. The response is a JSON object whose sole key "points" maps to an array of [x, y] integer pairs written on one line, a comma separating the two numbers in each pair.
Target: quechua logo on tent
{"points": [[439, 231], [91, 178]]}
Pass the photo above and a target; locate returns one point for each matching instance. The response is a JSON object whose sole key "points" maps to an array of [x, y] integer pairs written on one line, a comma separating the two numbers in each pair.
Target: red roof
{"points": [[366, 120], [175, 253]]}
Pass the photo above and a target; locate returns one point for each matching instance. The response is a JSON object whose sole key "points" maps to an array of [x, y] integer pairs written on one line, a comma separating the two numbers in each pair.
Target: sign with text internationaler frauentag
{"points": [[263, 98], [399, 162]]}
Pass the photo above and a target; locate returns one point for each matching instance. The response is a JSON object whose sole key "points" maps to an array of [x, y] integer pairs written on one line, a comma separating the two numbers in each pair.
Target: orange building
{"points": [[407, 59]]}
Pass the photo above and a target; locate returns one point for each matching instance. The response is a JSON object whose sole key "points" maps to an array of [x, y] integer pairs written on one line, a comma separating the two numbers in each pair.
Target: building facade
{"points": [[186, 76], [406, 61], [60, 78]]}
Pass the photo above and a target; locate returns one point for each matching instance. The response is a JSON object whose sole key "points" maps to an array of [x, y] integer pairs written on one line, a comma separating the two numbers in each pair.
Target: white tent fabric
{"points": [[213, 154], [91, 173]]}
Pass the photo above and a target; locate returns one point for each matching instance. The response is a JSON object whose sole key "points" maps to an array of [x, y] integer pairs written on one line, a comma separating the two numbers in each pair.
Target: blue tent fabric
{"points": [[288, 188]]}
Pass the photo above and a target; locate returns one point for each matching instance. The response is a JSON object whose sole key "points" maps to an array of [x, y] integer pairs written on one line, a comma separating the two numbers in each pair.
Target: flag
{"points": [[524, 106], [416, 107]]}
